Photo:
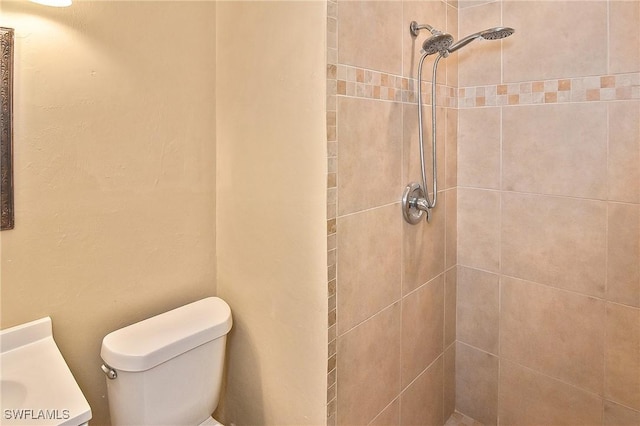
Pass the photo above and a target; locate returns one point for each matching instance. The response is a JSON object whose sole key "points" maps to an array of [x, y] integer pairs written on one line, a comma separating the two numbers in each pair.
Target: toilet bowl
{"points": [[167, 370]]}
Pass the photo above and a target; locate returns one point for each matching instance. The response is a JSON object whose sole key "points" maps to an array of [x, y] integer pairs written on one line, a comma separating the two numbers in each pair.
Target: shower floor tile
{"points": [[458, 419]]}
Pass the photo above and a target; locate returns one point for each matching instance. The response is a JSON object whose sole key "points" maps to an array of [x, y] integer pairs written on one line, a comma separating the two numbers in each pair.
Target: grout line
{"points": [[540, 194], [606, 262], [500, 263], [545, 375], [427, 283], [369, 318], [501, 275], [404, 388], [368, 209], [608, 36], [477, 348], [605, 400], [397, 398]]}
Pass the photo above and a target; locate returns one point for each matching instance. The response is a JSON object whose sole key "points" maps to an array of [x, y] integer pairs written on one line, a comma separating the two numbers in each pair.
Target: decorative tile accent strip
{"points": [[585, 89], [370, 84], [332, 169]]}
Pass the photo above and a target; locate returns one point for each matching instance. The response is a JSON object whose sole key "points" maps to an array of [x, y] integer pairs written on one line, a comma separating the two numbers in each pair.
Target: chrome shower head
{"points": [[496, 33], [437, 43]]}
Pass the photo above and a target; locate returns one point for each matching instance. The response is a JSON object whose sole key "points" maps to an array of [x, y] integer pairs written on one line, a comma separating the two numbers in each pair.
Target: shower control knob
{"points": [[412, 204]]}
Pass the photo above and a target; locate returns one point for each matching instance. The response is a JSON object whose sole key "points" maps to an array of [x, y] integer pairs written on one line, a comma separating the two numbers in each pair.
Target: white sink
{"points": [[37, 387]]}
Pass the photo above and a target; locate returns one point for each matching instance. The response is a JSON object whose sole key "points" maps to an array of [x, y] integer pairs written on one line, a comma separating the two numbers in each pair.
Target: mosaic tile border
{"points": [[586, 89], [370, 84], [332, 169]]}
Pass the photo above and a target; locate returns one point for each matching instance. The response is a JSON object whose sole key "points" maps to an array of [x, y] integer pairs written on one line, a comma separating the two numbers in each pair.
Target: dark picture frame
{"points": [[6, 128]]}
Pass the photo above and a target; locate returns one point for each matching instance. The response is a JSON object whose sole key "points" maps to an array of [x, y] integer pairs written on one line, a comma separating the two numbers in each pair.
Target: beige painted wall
{"points": [[114, 170], [271, 221]]}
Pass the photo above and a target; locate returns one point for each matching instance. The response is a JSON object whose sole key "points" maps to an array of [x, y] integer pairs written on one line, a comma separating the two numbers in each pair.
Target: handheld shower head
{"points": [[496, 33]]}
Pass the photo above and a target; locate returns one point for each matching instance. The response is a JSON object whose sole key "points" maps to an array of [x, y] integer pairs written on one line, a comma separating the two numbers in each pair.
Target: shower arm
{"points": [[414, 27]]}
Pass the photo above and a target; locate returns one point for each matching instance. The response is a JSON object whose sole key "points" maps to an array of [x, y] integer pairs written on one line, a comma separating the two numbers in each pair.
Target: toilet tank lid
{"points": [[150, 342]]}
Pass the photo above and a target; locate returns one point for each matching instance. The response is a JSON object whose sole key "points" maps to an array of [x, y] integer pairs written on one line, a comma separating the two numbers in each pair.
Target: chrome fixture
{"points": [[416, 200], [109, 372], [491, 34], [438, 42]]}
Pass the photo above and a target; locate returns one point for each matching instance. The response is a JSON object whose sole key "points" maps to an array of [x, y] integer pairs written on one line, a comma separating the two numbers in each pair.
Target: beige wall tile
{"points": [[624, 37], [423, 248], [368, 34], [556, 241], [546, 32], [623, 355], [451, 149], [624, 151], [556, 149], [479, 62], [478, 309], [369, 367], [479, 144], [449, 381], [451, 228], [528, 398], [369, 264], [469, 3], [390, 416], [411, 148], [562, 242], [558, 333], [452, 61], [617, 415], [370, 154], [372, 170], [422, 402], [450, 295], [623, 254], [477, 384], [422, 328], [479, 229]]}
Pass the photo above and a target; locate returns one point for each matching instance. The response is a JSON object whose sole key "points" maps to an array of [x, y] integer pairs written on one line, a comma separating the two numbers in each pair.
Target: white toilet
{"points": [[167, 370]]}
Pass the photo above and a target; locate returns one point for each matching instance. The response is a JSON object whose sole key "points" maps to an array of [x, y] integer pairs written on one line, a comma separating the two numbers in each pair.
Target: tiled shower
{"points": [[520, 302]]}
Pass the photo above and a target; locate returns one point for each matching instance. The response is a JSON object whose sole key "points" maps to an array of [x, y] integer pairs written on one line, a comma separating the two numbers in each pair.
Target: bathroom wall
{"points": [[114, 170], [391, 284], [271, 198], [548, 322]]}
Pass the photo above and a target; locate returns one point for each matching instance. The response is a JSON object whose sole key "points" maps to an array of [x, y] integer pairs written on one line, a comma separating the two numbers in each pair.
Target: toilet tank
{"points": [[168, 367]]}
